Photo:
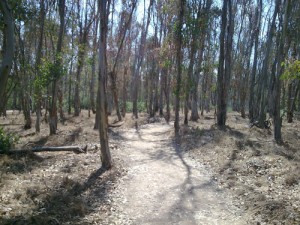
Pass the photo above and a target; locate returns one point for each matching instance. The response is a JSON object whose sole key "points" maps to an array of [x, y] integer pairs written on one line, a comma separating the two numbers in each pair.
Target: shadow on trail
{"points": [[188, 201], [67, 201]]}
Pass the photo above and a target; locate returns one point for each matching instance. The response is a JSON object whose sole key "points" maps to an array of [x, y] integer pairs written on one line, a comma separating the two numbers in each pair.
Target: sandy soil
{"points": [[163, 186], [209, 176]]}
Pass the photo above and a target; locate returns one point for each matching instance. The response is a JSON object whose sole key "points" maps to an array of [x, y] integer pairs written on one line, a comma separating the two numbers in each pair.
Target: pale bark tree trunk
{"points": [[71, 67], [124, 99], [8, 47], [37, 64], [92, 82], [138, 63], [83, 39], [24, 78], [101, 100], [113, 73], [179, 57]]}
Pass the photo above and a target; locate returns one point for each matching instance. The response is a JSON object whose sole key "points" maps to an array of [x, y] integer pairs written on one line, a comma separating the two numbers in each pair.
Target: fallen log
{"points": [[75, 149], [117, 124]]}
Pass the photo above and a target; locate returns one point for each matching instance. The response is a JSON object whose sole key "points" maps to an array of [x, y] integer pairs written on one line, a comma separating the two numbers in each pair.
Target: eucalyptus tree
{"points": [[256, 32], [84, 25], [124, 26], [225, 60], [37, 91], [139, 57], [57, 73], [102, 77], [179, 56], [8, 46]]}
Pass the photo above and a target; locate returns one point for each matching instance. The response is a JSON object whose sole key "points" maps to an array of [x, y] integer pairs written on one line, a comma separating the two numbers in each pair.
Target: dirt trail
{"points": [[165, 186]]}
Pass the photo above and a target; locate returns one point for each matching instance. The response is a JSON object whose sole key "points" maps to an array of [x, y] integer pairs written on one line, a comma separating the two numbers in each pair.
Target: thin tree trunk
{"points": [[178, 63], [38, 93], [24, 83], [262, 101], [124, 91], [252, 114], [93, 75], [138, 63]]}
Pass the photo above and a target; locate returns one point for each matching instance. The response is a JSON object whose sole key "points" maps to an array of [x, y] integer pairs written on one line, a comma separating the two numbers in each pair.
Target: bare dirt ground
{"points": [[210, 176]]}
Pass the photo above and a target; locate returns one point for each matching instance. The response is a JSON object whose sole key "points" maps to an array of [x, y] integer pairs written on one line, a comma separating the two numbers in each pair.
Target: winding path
{"points": [[164, 186]]}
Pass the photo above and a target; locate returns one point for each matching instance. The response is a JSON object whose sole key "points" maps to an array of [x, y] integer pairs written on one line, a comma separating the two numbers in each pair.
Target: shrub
{"points": [[7, 140]]}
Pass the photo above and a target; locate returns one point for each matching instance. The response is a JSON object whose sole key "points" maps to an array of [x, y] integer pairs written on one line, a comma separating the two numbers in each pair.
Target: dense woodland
{"points": [[163, 57]]}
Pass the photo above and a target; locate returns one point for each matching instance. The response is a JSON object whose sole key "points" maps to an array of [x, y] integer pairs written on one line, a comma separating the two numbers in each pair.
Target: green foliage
{"points": [[7, 140], [291, 70], [48, 71], [140, 105]]}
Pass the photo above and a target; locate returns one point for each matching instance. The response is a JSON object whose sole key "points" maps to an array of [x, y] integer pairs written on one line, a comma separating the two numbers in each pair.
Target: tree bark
{"points": [[8, 47], [75, 149], [83, 39], [38, 94], [179, 57], [138, 63], [252, 111], [262, 99], [101, 101], [56, 76], [277, 87], [92, 82], [224, 69]]}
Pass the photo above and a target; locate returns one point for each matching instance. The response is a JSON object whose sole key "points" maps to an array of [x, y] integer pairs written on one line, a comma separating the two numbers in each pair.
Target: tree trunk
{"points": [[75, 149], [252, 112], [179, 56], [262, 99], [138, 63], [101, 101], [124, 91], [92, 82], [224, 69], [56, 76], [8, 47], [114, 91], [277, 87], [38, 94]]}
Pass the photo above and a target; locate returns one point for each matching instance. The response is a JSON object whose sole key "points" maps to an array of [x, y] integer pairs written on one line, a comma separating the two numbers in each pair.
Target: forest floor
{"points": [[210, 176]]}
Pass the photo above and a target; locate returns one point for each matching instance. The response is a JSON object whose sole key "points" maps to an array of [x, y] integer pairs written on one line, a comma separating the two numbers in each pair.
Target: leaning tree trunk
{"points": [[8, 47]]}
